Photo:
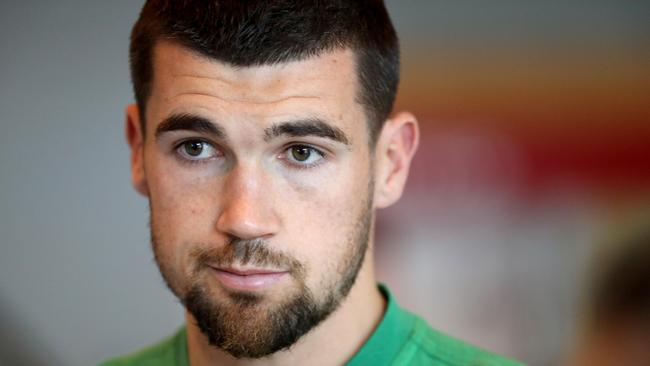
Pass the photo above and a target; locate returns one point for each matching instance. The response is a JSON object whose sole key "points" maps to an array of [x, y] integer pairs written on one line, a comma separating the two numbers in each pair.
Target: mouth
{"points": [[248, 279]]}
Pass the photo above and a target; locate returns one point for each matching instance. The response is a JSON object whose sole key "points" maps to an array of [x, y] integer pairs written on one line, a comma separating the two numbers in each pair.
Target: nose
{"points": [[247, 205]]}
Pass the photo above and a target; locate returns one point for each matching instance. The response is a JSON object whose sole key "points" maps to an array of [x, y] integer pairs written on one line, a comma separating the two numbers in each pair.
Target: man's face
{"points": [[260, 187]]}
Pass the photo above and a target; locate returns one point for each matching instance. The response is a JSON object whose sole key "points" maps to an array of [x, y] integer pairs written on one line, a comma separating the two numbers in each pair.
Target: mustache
{"points": [[256, 252]]}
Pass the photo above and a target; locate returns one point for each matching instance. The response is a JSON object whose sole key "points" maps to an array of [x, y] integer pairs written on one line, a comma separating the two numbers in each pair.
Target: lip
{"points": [[250, 279]]}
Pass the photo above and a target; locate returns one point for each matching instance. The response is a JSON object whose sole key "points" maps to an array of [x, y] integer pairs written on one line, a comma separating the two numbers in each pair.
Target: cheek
{"points": [[322, 218], [183, 203], [183, 210]]}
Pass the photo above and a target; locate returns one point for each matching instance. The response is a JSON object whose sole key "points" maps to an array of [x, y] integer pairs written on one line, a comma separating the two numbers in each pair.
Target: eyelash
{"points": [[179, 155], [321, 153]]}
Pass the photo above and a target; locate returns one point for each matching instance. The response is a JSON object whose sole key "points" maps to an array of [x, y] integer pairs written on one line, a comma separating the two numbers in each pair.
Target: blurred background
{"points": [[533, 172]]}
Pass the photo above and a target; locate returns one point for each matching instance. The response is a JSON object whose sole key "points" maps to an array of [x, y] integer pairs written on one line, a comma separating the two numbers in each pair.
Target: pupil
{"points": [[194, 148], [300, 153]]}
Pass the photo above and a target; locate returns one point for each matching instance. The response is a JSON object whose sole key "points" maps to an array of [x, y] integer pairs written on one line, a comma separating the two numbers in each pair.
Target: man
{"points": [[263, 141]]}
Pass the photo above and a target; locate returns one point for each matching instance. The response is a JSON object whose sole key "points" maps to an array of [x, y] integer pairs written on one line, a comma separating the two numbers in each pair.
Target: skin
{"points": [[251, 188]]}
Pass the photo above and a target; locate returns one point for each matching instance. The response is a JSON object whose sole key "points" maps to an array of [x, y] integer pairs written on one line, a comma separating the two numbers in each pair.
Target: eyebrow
{"points": [[297, 128], [190, 122], [306, 127]]}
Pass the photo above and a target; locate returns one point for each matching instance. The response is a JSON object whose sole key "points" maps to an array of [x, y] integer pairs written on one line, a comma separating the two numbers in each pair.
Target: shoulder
{"points": [[404, 339], [427, 346], [170, 351]]}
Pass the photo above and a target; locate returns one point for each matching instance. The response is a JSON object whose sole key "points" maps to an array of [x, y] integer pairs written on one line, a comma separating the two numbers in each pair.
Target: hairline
{"points": [[357, 54]]}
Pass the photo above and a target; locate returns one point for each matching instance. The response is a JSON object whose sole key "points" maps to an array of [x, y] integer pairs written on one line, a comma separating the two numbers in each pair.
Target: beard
{"points": [[243, 324]]}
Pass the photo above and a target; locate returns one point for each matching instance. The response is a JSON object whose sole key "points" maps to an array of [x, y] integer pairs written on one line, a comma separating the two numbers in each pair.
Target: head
{"points": [[262, 137], [617, 317]]}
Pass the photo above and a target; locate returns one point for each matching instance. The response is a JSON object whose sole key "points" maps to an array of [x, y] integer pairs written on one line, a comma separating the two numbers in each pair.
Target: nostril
{"points": [[247, 222]]}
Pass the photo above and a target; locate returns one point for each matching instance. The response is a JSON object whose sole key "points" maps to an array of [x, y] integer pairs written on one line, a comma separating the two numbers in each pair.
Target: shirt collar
{"points": [[388, 338]]}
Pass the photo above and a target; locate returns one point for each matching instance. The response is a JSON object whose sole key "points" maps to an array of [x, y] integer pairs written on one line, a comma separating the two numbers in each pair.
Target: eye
{"points": [[196, 150], [303, 155]]}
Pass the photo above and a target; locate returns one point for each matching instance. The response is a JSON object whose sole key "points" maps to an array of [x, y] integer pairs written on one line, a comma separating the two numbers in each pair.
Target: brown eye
{"points": [[303, 156], [193, 148], [197, 150], [300, 153]]}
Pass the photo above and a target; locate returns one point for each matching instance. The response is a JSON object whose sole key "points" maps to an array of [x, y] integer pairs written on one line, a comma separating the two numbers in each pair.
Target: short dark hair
{"points": [[262, 32]]}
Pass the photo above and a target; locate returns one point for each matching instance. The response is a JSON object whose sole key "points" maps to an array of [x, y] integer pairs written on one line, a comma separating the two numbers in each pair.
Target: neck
{"points": [[332, 342]]}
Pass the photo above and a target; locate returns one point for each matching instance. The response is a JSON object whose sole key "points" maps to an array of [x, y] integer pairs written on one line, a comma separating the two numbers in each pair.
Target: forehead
{"points": [[184, 81]]}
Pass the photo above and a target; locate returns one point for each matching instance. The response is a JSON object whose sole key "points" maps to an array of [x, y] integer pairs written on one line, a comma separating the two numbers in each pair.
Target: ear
{"points": [[394, 151], [135, 139]]}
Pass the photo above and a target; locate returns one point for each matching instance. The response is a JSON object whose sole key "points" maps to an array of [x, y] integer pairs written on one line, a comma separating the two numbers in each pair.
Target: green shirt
{"points": [[400, 339]]}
